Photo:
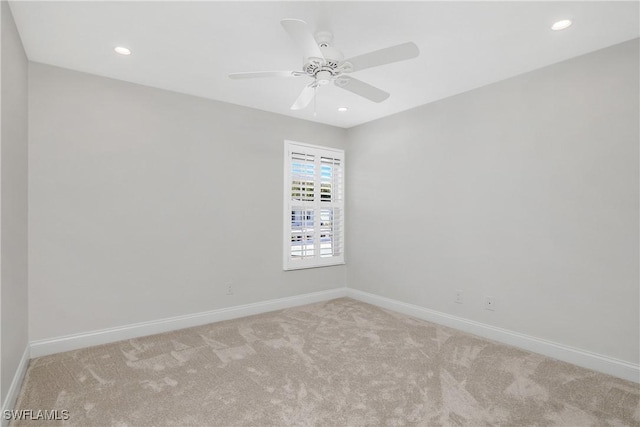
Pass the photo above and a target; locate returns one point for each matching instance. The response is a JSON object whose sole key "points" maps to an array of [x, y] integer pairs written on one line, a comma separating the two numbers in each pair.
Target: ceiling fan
{"points": [[326, 64]]}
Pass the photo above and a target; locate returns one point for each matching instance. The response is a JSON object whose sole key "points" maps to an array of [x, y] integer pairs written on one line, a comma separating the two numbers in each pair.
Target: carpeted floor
{"points": [[336, 363]]}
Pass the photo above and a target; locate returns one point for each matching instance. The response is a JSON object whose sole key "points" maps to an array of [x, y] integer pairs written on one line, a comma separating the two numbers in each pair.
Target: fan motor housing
{"points": [[332, 59]]}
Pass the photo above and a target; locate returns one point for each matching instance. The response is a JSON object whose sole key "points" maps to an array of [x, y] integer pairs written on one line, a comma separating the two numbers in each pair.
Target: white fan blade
{"points": [[301, 35], [305, 97], [361, 88], [384, 56], [258, 74]]}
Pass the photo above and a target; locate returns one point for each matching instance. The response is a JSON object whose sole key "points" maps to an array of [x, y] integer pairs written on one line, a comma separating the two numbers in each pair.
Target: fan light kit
{"points": [[122, 50], [561, 25], [326, 64]]}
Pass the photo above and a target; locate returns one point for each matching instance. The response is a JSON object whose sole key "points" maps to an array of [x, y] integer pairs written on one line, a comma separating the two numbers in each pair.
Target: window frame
{"points": [[317, 261]]}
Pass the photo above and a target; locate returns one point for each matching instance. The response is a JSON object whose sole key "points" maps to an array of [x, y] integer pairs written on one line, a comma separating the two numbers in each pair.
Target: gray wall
{"points": [[144, 203], [13, 200], [525, 190]]}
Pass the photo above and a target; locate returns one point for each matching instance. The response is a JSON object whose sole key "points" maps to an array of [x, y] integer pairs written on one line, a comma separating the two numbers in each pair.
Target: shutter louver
{"points": [[302, 177]]}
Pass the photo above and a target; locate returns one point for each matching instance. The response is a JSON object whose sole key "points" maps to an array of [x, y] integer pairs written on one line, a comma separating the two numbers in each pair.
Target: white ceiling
{"points": [[190, 47]]}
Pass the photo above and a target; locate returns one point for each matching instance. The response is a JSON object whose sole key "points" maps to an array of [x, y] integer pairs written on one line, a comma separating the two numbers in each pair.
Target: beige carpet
{"points": [[337, 363]]}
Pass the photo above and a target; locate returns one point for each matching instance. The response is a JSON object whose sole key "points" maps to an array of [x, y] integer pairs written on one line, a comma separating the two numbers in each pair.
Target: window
{"points": [[313, 206]]}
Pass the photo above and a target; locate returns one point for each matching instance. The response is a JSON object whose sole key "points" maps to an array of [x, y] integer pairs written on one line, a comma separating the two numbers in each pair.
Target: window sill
{"points": [[305, 267]]}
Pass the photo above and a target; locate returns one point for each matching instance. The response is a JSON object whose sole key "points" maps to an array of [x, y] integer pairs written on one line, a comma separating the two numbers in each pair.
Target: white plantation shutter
{"points": [[313, 205]]}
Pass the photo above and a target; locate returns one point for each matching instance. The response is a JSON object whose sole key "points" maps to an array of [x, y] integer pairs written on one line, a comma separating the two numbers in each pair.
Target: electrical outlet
{"points": [[229, 288], [458, 299], [489, 304]]}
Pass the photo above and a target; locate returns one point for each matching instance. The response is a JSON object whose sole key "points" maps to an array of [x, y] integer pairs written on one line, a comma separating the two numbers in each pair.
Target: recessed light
{"points": [[342, 109], [561, 25], [122, 50]]}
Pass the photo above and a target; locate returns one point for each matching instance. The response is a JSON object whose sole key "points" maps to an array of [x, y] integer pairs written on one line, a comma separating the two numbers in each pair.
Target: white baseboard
{"points": [[586, 359], [105, 336], [14, 389]]}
